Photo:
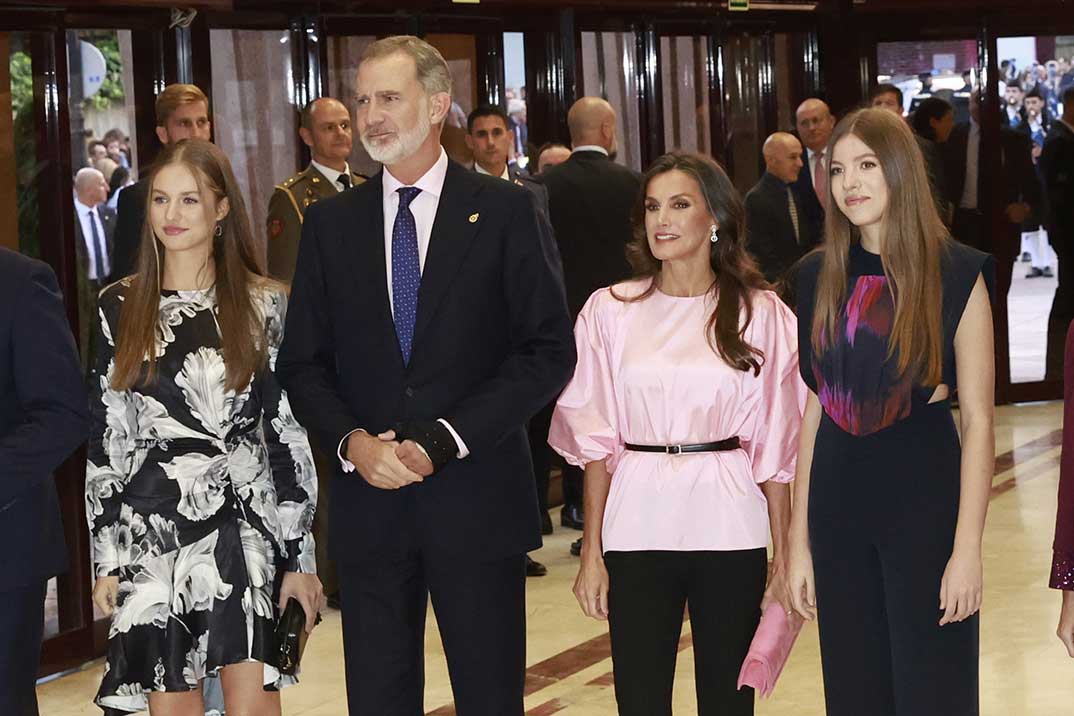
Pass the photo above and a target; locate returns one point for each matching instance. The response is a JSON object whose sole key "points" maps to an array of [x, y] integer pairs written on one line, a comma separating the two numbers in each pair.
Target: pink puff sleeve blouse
{"points": [[647, 374]]}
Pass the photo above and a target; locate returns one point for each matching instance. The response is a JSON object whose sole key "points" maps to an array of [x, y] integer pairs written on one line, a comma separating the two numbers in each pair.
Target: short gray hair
{"points": [[432, 69]]}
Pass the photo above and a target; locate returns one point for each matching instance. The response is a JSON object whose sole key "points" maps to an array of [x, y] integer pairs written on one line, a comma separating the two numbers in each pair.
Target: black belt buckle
{"points": [[674, 449]]}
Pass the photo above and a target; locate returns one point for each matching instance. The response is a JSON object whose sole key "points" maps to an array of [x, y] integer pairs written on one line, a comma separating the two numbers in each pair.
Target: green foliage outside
{"points": [[27, 167]]}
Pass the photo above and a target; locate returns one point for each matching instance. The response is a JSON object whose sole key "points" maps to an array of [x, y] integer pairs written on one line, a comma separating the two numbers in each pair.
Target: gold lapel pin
{"points": [[473, 218]]}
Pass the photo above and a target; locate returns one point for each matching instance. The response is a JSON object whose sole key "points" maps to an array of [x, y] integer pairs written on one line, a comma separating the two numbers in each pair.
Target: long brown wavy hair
{"points": [[736, 273], [911, 248], [238, 270]]}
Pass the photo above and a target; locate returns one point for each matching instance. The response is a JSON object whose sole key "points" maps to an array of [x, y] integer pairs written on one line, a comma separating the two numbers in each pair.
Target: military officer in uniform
{"points": [[326, 130], [489, 137]]}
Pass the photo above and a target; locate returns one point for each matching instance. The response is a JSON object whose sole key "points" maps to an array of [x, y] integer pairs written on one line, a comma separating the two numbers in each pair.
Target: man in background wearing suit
{"points": [[590, 200], [489, 137], [325, 127], [95, 226], [182, 112], [776, 235], [966, 187], [427, 325], [44, 416], [1057, 168], [815, 124]]}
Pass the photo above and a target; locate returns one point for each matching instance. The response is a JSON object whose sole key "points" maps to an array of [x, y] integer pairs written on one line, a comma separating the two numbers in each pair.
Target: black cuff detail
{"points": [[434, 438]]}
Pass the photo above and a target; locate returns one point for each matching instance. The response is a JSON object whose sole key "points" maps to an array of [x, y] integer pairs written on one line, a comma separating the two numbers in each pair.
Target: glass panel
{"points": [[744, 102], [684, 76], [608, 71], [18, 147], [943, 68], [460, 51], [101, 104], [1035, 72], [343, 56], [514, 72], [255, 110]]}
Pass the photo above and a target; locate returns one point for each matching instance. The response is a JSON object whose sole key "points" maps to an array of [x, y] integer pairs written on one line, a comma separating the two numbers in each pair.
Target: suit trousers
{"points": [[647, 594], [480, 610], [326, 465], [541, 453], [22, 623], [1062, 312]]}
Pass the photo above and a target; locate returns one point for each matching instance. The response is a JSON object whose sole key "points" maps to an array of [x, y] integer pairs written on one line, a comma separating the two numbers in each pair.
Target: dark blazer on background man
{"points": [[44, 416], [1018, 176], [770, 231], [108, 220], [87, 290], [130, 212], [591, 200], [812, 211]]}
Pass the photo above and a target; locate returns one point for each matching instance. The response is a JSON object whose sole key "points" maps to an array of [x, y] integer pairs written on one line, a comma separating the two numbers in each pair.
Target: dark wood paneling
{"points": [[650, 92]]}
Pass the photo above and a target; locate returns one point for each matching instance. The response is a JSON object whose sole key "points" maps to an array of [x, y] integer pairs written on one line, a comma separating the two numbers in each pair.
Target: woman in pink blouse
{"points": [[684, 411]]}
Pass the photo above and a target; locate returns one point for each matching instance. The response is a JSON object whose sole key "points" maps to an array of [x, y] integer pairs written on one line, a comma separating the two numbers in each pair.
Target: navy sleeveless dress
{"points": [[883, 503]]}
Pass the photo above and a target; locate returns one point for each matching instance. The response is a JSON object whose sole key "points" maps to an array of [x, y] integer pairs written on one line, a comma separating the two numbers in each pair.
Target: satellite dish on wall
{"points": [[93, 69]]}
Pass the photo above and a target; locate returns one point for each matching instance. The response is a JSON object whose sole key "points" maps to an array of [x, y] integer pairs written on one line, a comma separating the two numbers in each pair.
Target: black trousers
{"points": [[648, 592], [541, 454], [882, 514], [1062, 312], [480, 609], [22, 622]]}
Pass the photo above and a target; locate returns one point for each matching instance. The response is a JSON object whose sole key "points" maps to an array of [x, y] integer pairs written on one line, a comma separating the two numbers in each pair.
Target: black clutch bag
{"points": [[291, 637]]}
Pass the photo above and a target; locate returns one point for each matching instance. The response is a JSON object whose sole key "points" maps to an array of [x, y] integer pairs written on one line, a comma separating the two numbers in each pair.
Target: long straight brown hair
{"points": [[736, 272], [238, 270], [911, 248]]}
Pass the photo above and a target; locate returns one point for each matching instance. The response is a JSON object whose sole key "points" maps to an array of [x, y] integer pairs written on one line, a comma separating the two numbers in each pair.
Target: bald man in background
{"points": [[590, 199], [777, 234], [815, 123]]}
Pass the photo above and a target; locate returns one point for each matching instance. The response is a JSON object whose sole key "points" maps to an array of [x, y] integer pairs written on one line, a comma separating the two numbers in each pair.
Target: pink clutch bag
{"points": [[769, 650]]}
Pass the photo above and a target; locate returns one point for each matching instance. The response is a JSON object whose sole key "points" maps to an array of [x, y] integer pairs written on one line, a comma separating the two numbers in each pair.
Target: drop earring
{"points": [[219, 231], [713, 236]]}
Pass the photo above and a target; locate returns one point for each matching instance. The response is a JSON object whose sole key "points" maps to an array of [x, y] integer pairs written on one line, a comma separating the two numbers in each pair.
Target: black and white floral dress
{"points": [[198, 498]]}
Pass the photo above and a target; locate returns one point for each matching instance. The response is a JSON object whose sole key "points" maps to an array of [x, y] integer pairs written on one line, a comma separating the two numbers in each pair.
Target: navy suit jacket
{"points": [[493, 344], [44, 416], [812, 211]]}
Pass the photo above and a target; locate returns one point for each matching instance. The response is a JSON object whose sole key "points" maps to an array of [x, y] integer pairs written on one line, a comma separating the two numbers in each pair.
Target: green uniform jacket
{"points": [[286, 209]]}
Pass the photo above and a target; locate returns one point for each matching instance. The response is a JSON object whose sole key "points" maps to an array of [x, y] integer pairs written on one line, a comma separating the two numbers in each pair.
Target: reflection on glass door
{"points": [[1035, 71], [608, 71], [685, 78]]}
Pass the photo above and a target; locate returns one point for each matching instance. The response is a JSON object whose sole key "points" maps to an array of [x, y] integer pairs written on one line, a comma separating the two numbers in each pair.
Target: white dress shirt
{"points": [[84, 217], [591, 148], [973, 147], [423, 207], [481, 170], [332, 175], [811, 163]]}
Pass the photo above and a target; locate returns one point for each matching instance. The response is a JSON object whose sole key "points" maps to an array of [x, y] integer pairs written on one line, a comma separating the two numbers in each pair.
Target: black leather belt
{"points": [[720, 446]]}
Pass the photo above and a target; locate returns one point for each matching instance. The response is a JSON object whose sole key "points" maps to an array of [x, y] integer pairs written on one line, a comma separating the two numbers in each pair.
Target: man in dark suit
{"points": [[776, 235], [815, 124], [427, 325], [965, 187], [95, 227], [44, 416], [590, 200], [1057, 168], [489, 136], [182, 112]]}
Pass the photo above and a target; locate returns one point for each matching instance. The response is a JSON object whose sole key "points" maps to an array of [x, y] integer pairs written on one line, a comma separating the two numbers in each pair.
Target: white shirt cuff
{"points": [[348, 466], [463, 450]]}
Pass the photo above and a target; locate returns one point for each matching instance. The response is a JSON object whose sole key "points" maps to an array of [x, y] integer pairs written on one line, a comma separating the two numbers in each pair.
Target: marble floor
{"points": [[1028, 305], [1024, 669]]}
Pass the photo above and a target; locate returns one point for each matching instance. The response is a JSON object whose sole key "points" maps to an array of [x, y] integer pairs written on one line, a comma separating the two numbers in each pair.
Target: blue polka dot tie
{"points": [[406, 271]]}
